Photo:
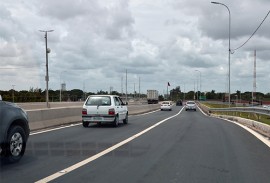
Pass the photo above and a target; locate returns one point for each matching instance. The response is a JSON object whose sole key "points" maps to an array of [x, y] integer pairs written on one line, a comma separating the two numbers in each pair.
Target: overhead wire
{"points": [[233, 50]]}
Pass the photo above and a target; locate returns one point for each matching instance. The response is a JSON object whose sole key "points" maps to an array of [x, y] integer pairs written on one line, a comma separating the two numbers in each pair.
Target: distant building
{"points": [[63, 87]]}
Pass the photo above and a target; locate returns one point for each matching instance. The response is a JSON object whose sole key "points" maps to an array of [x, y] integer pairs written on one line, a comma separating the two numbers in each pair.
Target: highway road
{"points": [[162, 146]]}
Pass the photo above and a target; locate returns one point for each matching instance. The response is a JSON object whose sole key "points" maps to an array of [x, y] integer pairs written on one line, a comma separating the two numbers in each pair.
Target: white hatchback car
{"points": [[104, 109], [166, 105], [190, 105]]}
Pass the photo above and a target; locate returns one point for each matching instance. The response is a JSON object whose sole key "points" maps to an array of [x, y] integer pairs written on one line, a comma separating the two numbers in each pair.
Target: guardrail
{"points": [[256, 110]]}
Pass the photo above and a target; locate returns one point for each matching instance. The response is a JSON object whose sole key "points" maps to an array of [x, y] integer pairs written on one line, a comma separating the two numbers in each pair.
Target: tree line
{"points": [[39, 95], [176, 94]]}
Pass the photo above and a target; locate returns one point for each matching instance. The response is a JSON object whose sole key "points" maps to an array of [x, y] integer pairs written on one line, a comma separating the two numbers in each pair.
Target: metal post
{"points": [[126, 87], [47, 72], [197, 87], [200, 83], [47, 67], [13, 93], [60, 99], [139, 88], [229, 74]]}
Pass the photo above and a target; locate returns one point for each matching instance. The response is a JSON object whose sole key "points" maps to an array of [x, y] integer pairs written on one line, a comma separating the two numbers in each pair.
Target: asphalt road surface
{"points": [[182, 146]]}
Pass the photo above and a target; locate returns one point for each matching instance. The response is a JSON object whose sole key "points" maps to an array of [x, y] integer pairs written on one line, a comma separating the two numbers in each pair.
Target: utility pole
{"points": [[13, 93], [122, 86], [134, 91], [229, 56], [47, 50], [84, 95], [126, 86], [139, 87], [194, 91], [254, 79]]}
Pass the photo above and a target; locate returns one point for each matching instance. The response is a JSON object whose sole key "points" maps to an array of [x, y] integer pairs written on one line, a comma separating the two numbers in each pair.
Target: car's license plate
{"points": [[97, 118]]}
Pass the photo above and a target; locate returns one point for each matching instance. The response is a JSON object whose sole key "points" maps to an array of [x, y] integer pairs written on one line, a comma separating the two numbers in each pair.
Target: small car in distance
{"points": [[190, 105], [166, 105], [102, 109], [179, 103], [14, 132]]}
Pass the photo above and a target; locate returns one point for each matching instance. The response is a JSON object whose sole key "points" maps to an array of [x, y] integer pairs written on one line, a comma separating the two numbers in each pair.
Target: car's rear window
{"points": [[99, 100], [190, 102], [165, 102]]}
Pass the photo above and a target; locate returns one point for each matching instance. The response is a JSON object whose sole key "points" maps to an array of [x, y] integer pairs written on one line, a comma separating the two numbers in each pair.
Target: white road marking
{"points": [[145, 113], [256, 134], [266, 141], [53, 129], [76, 124], [106, 151]]}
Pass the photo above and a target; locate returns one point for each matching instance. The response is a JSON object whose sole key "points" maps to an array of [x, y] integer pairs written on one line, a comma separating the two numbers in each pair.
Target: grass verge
{"points": [[253, 116]]}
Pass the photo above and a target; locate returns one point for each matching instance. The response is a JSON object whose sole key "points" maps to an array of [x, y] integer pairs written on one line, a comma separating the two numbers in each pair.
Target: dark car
{"points": [[179, 103], [14, 132]]}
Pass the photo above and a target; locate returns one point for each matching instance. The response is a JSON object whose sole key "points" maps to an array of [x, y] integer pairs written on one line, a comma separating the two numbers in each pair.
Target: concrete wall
{"points": [[45, 118]]}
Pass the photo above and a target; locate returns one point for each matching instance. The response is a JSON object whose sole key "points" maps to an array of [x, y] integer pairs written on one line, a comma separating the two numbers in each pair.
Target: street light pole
{"points": [[13, 93], [197, 90], [126, 89], [229, 74], [200, 83], [60, 98], [47, 67]]}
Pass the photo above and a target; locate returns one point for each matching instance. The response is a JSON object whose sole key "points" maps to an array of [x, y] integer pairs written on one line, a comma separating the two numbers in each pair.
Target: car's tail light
{"points": [[84, 112], [111, 112]]}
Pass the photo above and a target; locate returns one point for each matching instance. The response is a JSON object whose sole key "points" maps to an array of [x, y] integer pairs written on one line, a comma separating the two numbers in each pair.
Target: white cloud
{"points": [[159, 41]]}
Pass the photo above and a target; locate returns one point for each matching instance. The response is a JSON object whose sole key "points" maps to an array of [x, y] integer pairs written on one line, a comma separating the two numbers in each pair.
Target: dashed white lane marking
{"points": [[106, 151]]}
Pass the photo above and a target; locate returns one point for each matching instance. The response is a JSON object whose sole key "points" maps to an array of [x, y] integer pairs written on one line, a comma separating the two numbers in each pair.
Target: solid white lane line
{"points": [[106, 151], [253, 132], [256, 134]]}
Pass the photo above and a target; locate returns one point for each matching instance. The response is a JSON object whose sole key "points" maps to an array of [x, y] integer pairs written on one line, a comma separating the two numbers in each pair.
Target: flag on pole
{"points": [[169, 84]]}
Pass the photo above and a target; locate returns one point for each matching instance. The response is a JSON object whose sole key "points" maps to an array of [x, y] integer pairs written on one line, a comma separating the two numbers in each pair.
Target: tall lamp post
{"points": [[47, 50], [60, 98], [200, 83], [229, 74], [13, 93]]}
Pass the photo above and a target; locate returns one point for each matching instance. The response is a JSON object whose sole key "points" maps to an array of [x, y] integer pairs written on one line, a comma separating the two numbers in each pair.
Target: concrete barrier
{"points": [[45, 118]]}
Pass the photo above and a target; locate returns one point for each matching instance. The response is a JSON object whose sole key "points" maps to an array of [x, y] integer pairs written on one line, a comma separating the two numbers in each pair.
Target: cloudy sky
{"points": [[156, 41]]}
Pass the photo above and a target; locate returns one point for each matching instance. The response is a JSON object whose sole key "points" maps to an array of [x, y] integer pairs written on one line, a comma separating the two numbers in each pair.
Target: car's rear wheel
{"points": [[116, 121], [125, 121], [85, 124], [14, 147]]}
